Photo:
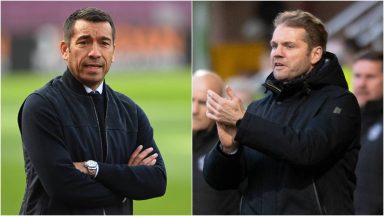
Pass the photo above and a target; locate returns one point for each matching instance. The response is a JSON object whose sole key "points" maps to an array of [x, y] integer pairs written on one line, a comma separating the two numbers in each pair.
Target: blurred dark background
{"points": [[149, 34]]}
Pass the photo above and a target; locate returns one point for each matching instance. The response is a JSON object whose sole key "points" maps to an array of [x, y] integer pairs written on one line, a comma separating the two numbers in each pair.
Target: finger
{"points": [[231, 94], [134, 154], [152, 163], [214, 96], [212, 105], [142, 155], [211, 116], [210, 108], [149, 159], [75, 164], [80, 166]]}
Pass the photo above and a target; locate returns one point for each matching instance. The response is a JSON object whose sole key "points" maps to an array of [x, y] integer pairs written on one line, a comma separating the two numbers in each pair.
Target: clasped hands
{"points": [[226, 111], [137, 158]]}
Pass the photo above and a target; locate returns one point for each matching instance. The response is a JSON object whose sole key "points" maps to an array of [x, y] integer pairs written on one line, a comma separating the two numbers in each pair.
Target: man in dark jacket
{"points": [[367, 81], [87, 148], [297, 147], [207, 200]]}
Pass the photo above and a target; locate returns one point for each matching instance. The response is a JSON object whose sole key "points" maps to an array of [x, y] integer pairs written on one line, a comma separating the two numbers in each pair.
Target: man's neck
{"points": [[98, 88]]}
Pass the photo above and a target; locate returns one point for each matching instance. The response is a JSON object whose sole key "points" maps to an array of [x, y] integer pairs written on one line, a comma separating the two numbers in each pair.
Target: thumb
{"points": [[231, 94]]}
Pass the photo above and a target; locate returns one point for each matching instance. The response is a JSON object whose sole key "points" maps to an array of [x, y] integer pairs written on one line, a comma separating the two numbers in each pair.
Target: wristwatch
{"points": [[92, 167]]}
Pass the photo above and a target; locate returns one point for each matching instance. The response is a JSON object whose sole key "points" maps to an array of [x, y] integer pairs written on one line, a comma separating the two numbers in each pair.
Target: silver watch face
{"points": [[91, 164]]}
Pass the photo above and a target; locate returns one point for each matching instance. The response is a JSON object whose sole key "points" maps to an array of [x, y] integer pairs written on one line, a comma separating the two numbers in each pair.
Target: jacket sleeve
{"points": [[50, 158], [223, 171], [331, 132], [137, 182]]}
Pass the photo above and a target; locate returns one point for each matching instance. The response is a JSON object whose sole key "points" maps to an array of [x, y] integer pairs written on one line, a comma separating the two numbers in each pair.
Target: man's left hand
{"points": [[225, 110], [81, 167], [139, 157]]}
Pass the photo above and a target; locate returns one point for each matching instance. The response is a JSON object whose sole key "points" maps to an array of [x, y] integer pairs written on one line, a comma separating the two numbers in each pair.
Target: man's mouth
{"points": [[93, 65], [278, 65], [361, 93]]}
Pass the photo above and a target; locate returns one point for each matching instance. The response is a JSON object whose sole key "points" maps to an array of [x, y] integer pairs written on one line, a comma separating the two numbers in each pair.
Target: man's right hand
{"points": [[226, 110], [139, 157]]}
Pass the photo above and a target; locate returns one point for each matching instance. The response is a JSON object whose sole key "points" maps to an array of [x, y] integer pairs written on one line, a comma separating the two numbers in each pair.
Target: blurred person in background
{"points": [[207, 200], [297, 147], [87, 148], [367, 83], [244, 87], [250, 87]]}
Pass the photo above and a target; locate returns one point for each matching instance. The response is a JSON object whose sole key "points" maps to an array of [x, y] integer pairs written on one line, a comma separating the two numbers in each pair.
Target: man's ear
{"points": [[316, 54], [64, 49]]}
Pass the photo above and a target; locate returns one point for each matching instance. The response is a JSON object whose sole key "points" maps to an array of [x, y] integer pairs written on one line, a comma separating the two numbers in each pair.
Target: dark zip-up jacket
{"points": [[59, 126], [298, 147], [206, 200], [369, 169]]}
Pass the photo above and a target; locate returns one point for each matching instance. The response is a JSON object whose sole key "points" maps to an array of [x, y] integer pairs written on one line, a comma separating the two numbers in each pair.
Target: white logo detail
{"points": [[375, 131], [337, 110], [200, 163]]}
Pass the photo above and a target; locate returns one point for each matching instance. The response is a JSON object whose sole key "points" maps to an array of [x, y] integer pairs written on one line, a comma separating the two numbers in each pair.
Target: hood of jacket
{"points": [[326, 72]]}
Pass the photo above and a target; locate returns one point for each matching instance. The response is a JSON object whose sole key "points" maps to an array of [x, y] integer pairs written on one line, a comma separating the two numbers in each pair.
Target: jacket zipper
{"points": [[273, 87], [317, 197], [101, 139], [106, 131], [241, 204]]}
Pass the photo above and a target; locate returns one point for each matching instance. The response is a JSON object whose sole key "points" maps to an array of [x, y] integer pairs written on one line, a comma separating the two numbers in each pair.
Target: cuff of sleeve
{"points": [[218, 149], [228, 153]]}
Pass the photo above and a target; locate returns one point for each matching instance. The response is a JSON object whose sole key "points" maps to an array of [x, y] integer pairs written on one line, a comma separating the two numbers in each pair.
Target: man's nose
{"points": [[277, 51], [360, 83], [95, 52]]}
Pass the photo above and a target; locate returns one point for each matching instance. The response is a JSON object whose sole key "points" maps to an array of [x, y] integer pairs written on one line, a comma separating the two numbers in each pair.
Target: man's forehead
{"points": [[84, 26], [290, 33], [367, 66]]}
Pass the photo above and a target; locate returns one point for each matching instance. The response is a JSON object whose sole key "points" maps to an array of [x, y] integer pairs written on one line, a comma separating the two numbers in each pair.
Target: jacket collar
{"points": [[282, 90], [72, 83], [325, 72]]}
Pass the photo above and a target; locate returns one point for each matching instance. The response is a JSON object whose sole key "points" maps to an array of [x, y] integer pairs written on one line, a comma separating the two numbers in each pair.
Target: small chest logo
{"points": [[337, 110], [375, 131], [200, 163]]}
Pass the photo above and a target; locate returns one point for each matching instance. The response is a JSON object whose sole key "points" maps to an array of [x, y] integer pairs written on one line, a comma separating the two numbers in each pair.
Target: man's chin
{"points": [[92, 81], [280, 76]]}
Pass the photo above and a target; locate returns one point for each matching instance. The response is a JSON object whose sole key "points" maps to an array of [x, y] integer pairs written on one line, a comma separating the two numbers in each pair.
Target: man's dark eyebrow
{"points": [[83, 37], [288, 43], [106, 38]]}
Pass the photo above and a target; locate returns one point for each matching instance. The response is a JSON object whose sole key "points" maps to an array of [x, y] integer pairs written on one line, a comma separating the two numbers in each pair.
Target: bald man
{"points": [[206, 200]]}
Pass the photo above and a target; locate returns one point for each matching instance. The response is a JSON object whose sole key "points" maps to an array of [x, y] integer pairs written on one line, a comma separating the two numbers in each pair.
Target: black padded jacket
{"points": [[59, 126], [298, 147]]}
